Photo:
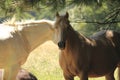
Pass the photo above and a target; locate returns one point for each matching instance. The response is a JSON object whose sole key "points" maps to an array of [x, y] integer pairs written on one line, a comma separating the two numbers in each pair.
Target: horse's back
{"points": [[106, 34], [116, 41], [98, 35], [112, 36], [108, 38]]}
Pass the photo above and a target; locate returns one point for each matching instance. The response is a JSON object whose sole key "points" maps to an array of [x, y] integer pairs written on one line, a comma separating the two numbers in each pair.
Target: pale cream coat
{"points": [[18, 40]]}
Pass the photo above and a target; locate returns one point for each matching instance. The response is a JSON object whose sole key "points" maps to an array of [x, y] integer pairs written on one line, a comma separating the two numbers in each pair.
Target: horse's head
{"points": [[61, 26]]}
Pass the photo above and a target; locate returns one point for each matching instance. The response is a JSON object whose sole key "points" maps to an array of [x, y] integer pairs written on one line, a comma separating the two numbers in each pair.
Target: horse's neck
{"points": [[36, 35], [73, 35], [75, 38]]}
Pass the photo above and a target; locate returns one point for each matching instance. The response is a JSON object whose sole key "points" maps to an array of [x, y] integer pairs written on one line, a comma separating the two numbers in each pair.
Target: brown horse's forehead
{"points": [[59, 20]]}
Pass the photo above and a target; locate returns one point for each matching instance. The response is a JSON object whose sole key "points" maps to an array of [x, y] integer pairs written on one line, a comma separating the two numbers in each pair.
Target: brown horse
{"points": [[86, 57]]}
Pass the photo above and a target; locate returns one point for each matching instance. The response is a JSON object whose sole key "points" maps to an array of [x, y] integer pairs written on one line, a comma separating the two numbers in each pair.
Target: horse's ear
{"points": [[57, 14], [67, 15]]}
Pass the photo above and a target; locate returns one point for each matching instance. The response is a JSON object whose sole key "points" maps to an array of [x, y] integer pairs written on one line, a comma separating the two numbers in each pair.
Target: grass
{"points": [[44, 64]]}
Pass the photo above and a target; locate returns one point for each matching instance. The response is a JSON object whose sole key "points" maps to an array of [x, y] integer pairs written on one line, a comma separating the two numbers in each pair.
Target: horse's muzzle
{"points": [[61, 45]]}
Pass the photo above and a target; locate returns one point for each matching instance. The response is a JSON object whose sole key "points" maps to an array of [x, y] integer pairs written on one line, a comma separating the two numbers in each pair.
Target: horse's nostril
{"points": [[61, 45]]}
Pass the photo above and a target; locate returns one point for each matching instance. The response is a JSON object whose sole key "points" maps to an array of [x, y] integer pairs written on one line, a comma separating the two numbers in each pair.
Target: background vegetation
{"points": [[86, 16]]}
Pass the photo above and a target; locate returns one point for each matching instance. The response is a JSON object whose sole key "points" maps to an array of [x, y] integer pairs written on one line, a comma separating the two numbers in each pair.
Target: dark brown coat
{"points": [[87, 57]]}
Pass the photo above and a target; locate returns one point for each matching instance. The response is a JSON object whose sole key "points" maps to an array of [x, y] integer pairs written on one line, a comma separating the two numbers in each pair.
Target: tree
{"points": [[98, 14]]}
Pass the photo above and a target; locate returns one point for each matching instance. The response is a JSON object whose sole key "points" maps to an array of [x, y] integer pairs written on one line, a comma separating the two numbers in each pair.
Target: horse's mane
{"points": [[10, 21], [13, 22]]}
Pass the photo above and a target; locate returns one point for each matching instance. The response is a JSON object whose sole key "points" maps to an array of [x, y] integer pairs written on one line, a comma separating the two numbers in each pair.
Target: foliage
{"points": [[86, 15], [96, 18]]}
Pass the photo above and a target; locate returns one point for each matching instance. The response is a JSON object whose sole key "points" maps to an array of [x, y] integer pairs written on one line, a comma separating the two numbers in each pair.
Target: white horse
{"points": [[18, 40]]}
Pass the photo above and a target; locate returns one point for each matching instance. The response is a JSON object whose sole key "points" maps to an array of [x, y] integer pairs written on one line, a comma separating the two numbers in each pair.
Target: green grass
{"points": [[43, 62]]}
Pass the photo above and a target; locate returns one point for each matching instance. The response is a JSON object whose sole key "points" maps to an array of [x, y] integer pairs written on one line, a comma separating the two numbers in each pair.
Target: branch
{"points": [[96, 22], [111, 18]]}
